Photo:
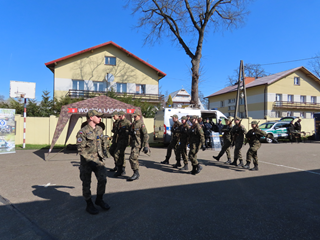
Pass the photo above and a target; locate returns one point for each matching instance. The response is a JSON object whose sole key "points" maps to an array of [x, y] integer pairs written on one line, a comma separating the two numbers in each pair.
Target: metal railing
{"points": [[296, 105], [89, 94]]}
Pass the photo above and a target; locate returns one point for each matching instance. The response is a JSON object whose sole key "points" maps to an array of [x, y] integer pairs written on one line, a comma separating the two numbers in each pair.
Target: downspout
{"points": [[265, 100]]}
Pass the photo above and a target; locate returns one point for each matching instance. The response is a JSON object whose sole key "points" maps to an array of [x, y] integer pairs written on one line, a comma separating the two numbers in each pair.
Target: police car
{"points": [[275, 130]]}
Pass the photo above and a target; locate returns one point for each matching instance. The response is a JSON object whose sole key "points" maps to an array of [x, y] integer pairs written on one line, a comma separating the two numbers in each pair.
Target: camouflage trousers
{"points": [[173, 145], [253, 153], [237, 150], [119, 154], [194, 149], [182, 151], [225, 149], [85, 176], [133, 159]]}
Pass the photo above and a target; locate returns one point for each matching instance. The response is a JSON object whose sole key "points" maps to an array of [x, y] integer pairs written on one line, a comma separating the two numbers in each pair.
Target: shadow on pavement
{"points": [[283, 206]]}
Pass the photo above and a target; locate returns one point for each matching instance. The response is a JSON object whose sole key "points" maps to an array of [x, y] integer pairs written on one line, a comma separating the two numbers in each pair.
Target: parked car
{"points": [[287, 119], [275, 131]]}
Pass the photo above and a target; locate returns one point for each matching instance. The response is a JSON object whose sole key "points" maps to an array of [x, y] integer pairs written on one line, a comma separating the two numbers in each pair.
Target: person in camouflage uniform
{"points": [[197, 141], [226, 129], [105, 141], [114, 130], [123, 139], [253, 137], [139, 141], [89, 145], [238, 131], [174, 138], [183, 142]]}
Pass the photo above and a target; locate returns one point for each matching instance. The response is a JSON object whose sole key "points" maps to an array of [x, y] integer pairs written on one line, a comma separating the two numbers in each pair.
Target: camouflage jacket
{"points": [[139, 134], [226, 129], [184, 130], [196, 134], [253, 136], [123, 130], [90, 143], [238, 132], [175, 131], [115, 131]]}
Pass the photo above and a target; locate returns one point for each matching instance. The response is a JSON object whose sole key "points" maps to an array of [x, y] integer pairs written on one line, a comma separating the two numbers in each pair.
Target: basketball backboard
{"points": [[22, 89]]}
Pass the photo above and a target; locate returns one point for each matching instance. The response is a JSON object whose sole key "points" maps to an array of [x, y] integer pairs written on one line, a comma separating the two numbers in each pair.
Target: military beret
{"points": [[254, 122], [175, 116], [92, 113], [115, 113], [184, 118], [121, 113], [194, 117]]}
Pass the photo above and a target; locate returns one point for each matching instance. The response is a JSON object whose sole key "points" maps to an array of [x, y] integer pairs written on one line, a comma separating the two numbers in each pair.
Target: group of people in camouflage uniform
{"points": [[235, 136], [93, 146], [187, 132]]}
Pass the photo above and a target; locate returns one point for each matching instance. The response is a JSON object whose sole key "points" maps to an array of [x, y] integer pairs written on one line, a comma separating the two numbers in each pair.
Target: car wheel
{"points": [[269, 138]]}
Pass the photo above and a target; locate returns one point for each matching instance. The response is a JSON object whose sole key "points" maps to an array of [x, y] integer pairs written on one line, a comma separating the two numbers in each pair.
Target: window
{"points": [[311, 114], [98, 86], [278, 97], [313, 100], [296, 81], [77, 85], [289, 114], [303, 99], [290, 98], [278, 114], [231, 108], [233, 100], [110, 61], [222, 104], [302, 114], [121, 87], [141, 89]]}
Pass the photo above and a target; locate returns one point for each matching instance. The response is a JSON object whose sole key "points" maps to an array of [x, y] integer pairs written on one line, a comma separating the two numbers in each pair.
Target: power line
{"points": [[289, 61]]}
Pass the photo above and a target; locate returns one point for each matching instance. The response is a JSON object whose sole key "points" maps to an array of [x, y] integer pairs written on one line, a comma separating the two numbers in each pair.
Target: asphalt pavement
{"points": [[42, 199]]}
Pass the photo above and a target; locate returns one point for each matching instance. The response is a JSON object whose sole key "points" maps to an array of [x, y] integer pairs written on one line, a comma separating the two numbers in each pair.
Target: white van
{"points": [[163, 120]]}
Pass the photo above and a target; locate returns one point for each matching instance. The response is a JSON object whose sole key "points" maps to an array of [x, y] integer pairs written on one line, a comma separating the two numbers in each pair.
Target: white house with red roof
{"points": [[102, 68], [295, 92]]}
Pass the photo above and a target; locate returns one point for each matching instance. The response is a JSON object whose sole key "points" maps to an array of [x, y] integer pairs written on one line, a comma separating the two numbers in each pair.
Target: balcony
{"points": [[152, 98], [296, 105]]}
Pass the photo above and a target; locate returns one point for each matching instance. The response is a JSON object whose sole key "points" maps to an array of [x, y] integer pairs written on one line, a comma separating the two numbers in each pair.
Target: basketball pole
{"points": [[24, 123]]}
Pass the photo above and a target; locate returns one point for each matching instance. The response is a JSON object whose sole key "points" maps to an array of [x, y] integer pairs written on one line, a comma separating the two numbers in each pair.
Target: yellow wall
{"points": [[40, 130]]}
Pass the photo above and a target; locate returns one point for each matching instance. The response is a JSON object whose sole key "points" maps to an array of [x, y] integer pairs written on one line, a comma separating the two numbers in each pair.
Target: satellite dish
{"points": [[109, 77]]}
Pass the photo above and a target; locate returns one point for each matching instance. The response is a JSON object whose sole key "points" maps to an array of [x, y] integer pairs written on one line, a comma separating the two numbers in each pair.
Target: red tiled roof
{"points": [[51, 64], [264, 80]]}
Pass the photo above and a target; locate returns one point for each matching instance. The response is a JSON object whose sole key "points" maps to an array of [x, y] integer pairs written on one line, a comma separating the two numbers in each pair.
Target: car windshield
{"points": [[286, 119], [266, 125]]}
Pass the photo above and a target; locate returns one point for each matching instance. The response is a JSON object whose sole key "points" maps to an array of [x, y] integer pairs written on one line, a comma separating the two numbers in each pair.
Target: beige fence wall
{"points": [[40, 130]]}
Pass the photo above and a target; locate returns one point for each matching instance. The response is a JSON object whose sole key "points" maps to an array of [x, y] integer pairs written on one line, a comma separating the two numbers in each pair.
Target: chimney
{"points": [[248, 80]]}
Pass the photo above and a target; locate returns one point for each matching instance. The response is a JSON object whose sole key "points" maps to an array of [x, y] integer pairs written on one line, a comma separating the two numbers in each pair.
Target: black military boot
{"points": [[229, 161], [165, 161], [178, 164], [135, 176], [185, 167], [216, 158], [99, 201], [241, 164], [194, 169], [247, 166], [199, 168], [120, 172], [255, 168], [114, 169], [234, 162], [91, 208]]}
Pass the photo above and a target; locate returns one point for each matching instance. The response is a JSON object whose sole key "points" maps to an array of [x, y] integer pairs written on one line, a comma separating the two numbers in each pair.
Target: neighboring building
{"points": [[181, 99], [295, 92], [98, 69]]}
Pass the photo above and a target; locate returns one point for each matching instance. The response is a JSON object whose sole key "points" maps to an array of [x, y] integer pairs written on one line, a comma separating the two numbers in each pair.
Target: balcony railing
{"points": [[296, 105], [153, 98]]}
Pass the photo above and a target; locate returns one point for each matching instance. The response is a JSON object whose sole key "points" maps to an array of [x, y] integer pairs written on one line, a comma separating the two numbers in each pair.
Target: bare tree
{"points": [[186, 22], [250, 70], [315, 65]]}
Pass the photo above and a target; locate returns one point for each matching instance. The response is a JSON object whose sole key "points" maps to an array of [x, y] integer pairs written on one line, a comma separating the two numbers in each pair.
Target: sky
{"points": [[36, 32]]}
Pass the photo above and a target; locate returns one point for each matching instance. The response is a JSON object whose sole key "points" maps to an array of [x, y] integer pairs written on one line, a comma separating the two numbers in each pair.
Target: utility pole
{"points": [[241, 91]]}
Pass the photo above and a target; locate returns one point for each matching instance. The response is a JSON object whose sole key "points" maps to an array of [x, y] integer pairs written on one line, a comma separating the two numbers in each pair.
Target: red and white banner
{"points": [[72, 110], [130, 110]]}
